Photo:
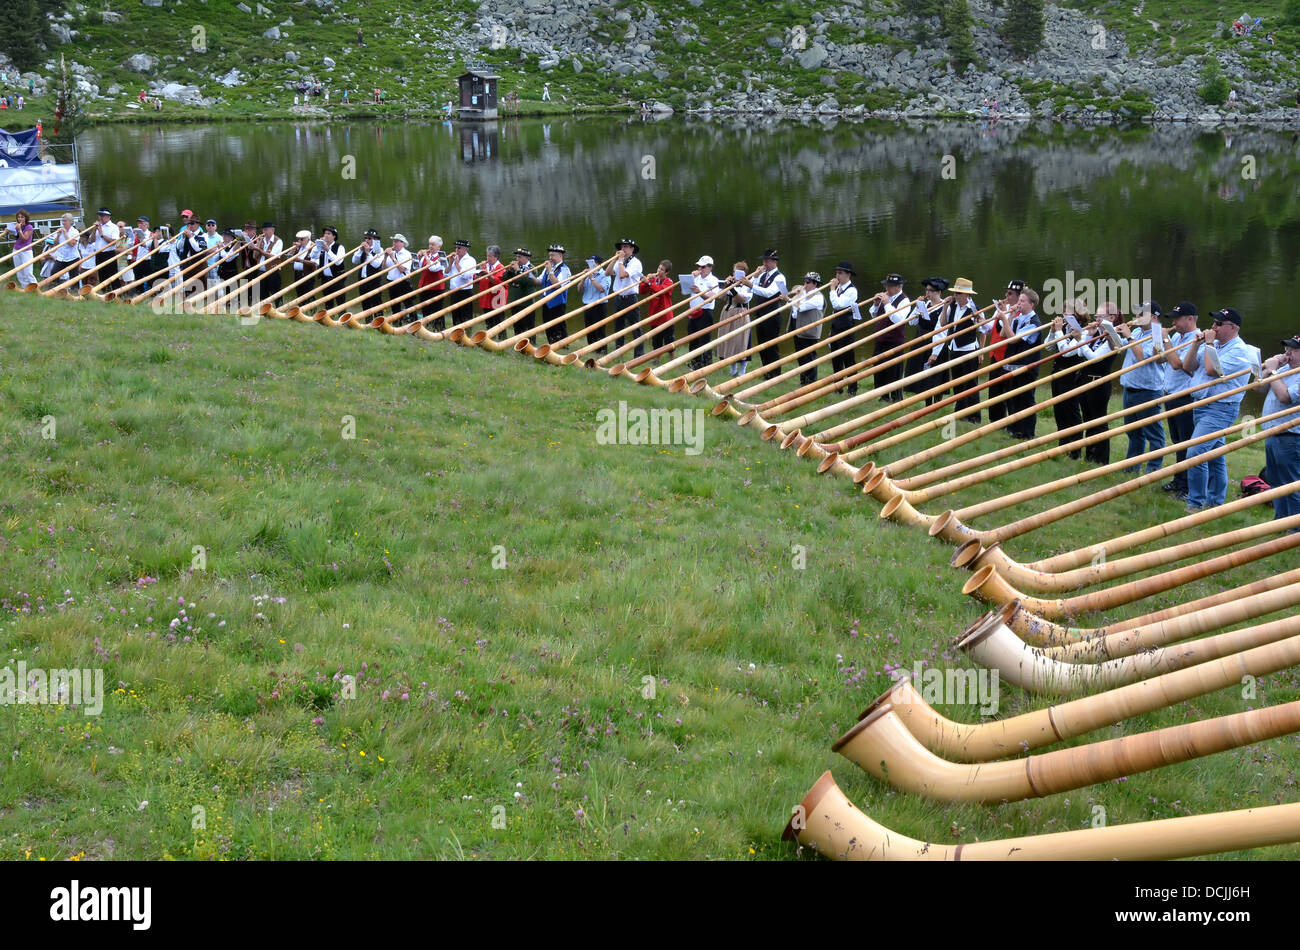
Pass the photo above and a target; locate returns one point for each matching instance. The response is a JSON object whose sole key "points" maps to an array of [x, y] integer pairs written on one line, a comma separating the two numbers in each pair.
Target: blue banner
{"points": [[19, 148]]}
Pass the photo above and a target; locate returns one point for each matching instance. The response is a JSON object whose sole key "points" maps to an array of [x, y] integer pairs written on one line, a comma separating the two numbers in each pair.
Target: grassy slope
{"points": [[419, 74], [524, 683]]}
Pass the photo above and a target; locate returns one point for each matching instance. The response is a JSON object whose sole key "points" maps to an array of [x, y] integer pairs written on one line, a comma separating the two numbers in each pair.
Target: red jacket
{"points": [[660, 297]]}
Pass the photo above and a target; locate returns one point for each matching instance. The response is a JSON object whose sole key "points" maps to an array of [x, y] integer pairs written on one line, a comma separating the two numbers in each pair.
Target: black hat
{"points": [[1227, 315], [892, 280], [1016, 285], [938, 283], [331, 229], [1292, 342], [771, 255], [1155, 307], [523, 252], [593, 259], [846, 267], [268, 224], [105, 211], [556, 247], [463, 243], [209, 221], [142, 218], [636, 248], [1184, 309], [812, 277], [372, 233]]}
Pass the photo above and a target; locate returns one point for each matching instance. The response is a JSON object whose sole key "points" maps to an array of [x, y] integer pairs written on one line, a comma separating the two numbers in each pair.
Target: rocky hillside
{"points": [[207, 58]]}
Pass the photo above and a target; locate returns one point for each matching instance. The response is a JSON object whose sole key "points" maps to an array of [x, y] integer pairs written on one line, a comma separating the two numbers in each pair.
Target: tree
{"points": [[957, 28], [24, 29], [1022, 27], [923, 8], [1291, 12], [1214, 85]]}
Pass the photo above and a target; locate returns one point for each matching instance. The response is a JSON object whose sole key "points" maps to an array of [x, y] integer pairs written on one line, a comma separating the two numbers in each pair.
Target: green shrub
{"points": [[1214, 85]]}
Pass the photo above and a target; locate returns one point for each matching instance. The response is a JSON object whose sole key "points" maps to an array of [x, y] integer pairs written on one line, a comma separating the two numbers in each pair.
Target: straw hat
{"points": [[962, 285]]}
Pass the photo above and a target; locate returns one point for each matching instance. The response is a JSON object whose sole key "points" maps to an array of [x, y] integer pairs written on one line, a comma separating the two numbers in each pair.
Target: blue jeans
{"points": [[1282, 455], [1150, 436], [1207, 483]]}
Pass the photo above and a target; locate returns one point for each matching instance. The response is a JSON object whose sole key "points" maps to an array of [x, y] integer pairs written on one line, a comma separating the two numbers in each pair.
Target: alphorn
{"points": [[165, 285], [267, 308], [550, 352], [13, 285], [419, 327], [55, 276], [883, 746], [887, 487], [456, 331], [993, 645], [487, 338], [840, 380], [1170, 625], [950, 527], [828, 822], [1043, 575], [93, 292], [653, 376], [522, 342], [1001, 738], [61, 290], [293, 309]]}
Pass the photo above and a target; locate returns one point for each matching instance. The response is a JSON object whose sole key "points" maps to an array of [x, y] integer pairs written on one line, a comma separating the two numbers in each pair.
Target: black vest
{"points": [[1016, 347], [966, 334]]}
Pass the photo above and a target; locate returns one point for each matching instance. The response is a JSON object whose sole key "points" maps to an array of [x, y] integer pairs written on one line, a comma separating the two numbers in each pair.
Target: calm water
{"points": [[1170, 205]]}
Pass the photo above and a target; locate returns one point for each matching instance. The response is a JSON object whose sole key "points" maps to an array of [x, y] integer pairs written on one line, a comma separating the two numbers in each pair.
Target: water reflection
{"points": [[1171, 204]]}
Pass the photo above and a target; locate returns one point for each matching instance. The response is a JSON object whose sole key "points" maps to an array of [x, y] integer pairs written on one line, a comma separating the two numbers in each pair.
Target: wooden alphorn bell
{"points": [[13, 285]]}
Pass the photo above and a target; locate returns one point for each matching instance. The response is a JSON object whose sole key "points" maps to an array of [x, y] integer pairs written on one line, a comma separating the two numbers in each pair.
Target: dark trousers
{"points": [[556, 333], [696, 321], [845, 358], [427, 293], [890, 374], [525, 323], [1069, 411], [1094, 403], [806, 347], [664, 337], [622, 302], [464, 305], [1180, 430], [103, 269], [916, 364], [1023, 428], [593, 315], [998, 388], [268, 285], [395, 289], [765, 331], [959, 364]]}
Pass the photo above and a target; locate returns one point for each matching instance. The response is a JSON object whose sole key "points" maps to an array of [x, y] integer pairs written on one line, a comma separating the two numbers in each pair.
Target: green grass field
{"points": [[645, 674]]}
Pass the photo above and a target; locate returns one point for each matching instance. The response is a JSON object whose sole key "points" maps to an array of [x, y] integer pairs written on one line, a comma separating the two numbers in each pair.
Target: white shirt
{"points": [[743, 294], [462, 272], [844, 297], [302, 255], [374, 257], [1175, 379], [630, 283], [769, 284], [811, 308], [705, 286], [400, 268], [900, 304], [272, 248], [107, 237], [958, 313], [68, 253], [434, 263]]}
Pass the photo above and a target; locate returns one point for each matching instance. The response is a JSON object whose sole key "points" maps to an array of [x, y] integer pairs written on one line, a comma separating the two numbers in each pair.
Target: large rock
{"points": [[230, 79], [244, 8], [813, 56], [61, 33], [141, 63], [328, 63], [152, 3], [290, 56], [273, 33], [176, 92]]}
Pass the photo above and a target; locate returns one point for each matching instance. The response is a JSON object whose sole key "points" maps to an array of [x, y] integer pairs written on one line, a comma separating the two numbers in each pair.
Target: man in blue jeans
{"points": [[1207, 483], [1176, 382], [1143, 384], [1282, 447]]}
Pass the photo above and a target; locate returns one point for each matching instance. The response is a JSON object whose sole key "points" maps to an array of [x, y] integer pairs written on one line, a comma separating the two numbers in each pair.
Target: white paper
{"points": [[687, 282], [738, 274]]}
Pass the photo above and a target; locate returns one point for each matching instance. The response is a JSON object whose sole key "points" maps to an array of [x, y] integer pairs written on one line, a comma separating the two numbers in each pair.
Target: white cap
{"points": [[303, 234], [704, 261]]}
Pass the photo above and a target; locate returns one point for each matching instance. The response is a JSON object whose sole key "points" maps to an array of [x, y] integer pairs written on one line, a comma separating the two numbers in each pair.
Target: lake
{"points": [[1204, 215]]}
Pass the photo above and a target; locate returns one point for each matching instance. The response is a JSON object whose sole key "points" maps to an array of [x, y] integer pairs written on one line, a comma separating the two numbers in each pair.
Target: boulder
{"points": [[290, 56], [61, 33], [813, 56], [577, 65], [230, 79], [328, 62], [244, 8], [152, 3], [141, 63], [272, 34]]}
